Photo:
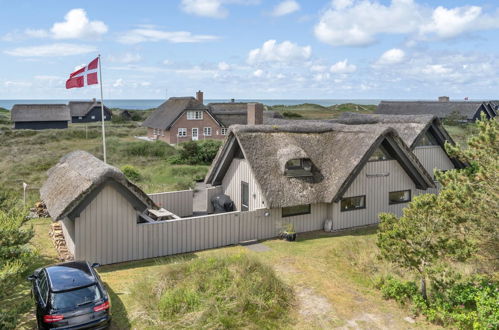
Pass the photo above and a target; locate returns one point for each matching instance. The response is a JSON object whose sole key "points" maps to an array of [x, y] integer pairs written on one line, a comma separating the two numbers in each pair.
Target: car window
{"points": [[43, 287], [76, 298]]}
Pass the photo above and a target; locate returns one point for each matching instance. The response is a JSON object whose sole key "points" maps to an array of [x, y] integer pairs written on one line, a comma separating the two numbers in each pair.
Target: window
{"points": [[162, 133], [194, 115], [428, 139], [79, 118], [43, 288], [207, 131], [380, 154], [397, 197], [353, 203], [74, 298], [295, 210], [93, 117], [105, 117], [299, 167], [182, 132], [244, 196], [224, 131]]}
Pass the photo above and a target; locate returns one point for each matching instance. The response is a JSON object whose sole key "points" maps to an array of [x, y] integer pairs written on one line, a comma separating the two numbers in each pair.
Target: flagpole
{"points": [[102, 112]]}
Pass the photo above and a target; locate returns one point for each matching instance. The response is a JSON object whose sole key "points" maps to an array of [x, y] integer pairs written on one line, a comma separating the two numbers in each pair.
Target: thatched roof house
{"points": [[88, 111], [40, 116], [335, 160], [466, 110], [77, 179]]}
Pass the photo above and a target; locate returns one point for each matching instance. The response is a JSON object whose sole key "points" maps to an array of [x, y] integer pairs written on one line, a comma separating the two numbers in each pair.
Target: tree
{"points": [[15, 254], [470, 197], [421, 239]]}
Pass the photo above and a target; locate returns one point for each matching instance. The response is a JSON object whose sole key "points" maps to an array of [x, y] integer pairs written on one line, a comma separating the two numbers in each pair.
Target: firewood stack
{"points": [[39, 211], [59, 242]]}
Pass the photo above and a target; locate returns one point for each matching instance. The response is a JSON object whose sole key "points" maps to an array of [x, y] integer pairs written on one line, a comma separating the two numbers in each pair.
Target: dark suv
{"points": [[70, 295]]}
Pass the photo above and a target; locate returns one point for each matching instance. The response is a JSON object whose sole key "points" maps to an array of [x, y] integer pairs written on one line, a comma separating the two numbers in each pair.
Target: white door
{"points": [[194, 134]]}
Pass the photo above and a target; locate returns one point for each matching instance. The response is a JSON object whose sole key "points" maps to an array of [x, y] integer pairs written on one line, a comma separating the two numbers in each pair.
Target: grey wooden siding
{"points": [[433, 157], [107, 230], [210, 193], [375, 181], [68, 229], [238, 171], [177, 202]]}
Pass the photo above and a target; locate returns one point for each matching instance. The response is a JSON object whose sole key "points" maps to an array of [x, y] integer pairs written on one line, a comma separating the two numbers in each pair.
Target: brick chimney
{"points": [[255, 113], [199, 96], [443, 99]]}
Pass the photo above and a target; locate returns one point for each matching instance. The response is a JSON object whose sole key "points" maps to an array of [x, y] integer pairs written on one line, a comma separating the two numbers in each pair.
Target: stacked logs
{"points": [[59, 242]]}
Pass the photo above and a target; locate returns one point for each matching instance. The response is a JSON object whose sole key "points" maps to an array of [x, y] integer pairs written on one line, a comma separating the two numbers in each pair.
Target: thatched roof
{"points": [[336, 159], [467, 109], [81, 108], [40, 112], [166, 114], [409, 127], [76, 177]]}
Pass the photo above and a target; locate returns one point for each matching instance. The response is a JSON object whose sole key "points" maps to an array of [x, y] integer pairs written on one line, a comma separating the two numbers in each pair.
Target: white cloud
{"points": [[211, 8], [258, 73], [343, 67], [207, 8], [392, 56], [153, 35], [36, 33], [318, 68], [51, 50], [436, 69], [119, 83], [285, 52], [223, 66], [125, 58], [76, 25], [360, 22], [17, 84], [286, 7]]}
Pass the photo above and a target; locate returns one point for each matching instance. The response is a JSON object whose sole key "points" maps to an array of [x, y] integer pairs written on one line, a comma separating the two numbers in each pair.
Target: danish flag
{"points": [[84, 76]]}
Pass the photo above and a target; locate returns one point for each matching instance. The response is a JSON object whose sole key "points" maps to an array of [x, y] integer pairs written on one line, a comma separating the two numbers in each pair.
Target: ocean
{"points": [[148, 104]]}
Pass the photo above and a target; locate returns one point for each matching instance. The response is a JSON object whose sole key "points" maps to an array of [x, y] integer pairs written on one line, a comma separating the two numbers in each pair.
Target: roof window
{"points": [[299, 167]]}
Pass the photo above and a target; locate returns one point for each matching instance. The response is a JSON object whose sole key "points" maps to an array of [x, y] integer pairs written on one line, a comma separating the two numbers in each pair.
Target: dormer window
{"points": [[299, 167], [427, 140]]}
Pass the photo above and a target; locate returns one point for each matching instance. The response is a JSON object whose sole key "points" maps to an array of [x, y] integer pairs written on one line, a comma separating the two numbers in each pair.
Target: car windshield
{"points": [[76, 298]]}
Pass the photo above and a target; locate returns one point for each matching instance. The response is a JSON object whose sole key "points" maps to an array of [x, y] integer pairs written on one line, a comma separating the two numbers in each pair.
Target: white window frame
{"points": [[195, 115], [182, 132], [224, 131], [207, 131]]}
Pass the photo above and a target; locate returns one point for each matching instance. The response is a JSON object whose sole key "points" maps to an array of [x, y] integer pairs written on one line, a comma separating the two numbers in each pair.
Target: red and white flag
{"points": [[84, 76]]}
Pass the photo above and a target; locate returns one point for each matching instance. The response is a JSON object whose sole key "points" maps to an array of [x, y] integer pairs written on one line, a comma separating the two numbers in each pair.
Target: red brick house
{"points": [[182, 119]]}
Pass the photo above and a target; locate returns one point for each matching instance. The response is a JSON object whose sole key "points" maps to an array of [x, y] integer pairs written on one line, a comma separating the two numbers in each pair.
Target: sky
{"points": [[252, 49]]}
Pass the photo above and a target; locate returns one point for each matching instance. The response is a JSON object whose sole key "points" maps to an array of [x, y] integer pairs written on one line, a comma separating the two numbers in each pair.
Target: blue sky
{"points": [[293, 49]]}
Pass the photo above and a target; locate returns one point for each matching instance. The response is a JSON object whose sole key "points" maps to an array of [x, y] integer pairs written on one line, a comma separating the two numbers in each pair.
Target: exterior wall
{"points": [[178, 202], [96, 112], [238, 171], [376, 189], [68, 229], [433, 157], [38, 125], [170, 136]]}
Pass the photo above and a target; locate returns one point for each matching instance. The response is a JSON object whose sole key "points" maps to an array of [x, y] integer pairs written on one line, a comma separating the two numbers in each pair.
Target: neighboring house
{"points": [[40, 116], [462, 110], [182, 119], [84, 192], [317, 171], [126, 115], [88, 111]]}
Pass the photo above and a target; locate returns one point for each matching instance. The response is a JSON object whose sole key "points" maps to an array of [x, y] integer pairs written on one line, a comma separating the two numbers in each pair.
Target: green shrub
{"points": [[291, 114], [131, 173], [234, 291], [156, 149], [469, 303], [197, 153]]}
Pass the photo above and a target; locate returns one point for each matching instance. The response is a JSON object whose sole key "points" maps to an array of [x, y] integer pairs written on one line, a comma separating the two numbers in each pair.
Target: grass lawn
{"points": [[331, 276]]}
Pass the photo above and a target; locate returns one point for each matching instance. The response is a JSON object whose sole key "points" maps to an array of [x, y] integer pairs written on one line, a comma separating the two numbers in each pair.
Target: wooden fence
{"points": [[177, 202]]}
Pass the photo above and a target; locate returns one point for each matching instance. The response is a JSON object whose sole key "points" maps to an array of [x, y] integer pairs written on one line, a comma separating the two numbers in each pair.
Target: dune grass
{"points": [[217, 292], [315, 111]]}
